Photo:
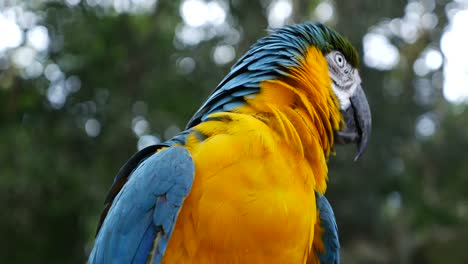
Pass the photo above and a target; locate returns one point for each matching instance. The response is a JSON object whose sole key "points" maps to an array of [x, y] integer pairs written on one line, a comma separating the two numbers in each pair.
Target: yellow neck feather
{"points": [[303, 109]]}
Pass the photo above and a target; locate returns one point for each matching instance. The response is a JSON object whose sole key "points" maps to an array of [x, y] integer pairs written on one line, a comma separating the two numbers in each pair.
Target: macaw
{"points": [[245, 181]]}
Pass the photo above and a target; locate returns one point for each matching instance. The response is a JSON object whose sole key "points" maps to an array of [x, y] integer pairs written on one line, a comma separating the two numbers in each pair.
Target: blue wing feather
{"points": [[233, 105], [330, 236], [145, 245], [146, 206], [224, 100], [244, 92]]}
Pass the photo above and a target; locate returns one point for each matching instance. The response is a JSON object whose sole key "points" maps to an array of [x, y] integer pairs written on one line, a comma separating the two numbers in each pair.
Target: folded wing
{"points": [[143, 210]]}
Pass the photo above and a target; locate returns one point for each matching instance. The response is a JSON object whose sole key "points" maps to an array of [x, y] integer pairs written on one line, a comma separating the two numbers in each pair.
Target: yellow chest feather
{"points": [[252, 199]]}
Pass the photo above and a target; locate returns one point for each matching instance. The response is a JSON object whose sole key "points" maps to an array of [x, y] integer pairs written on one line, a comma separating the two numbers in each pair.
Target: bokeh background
{"points": [[86, 83]]}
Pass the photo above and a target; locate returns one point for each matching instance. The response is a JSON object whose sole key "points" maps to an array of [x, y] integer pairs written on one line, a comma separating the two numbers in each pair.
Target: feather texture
{"points": [[251, 199], [256, 152]]}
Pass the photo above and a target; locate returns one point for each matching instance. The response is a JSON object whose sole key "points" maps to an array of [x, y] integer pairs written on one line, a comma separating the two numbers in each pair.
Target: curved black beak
{"points": [[358, 123]]}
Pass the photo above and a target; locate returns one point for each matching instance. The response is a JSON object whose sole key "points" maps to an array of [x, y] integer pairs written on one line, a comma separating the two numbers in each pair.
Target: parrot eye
{"points": [[340, 60]]}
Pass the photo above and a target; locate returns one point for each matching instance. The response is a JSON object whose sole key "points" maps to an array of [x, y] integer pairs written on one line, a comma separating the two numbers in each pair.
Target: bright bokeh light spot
{"points": [[414, 8], [203, 20], [420, 67], [223, 54], [72, 2], [279, 11], [216, 14], [451, 9], [232, 36], [409, 31], [122, 6], [119, 6], [379, 53], [324, 12], [430, 60], [190, 35], [425, 126], [454, 43], [147, 140], [143, 5], [22, 57], [52, 72], [410, 23], [429, 21], [92, 127], [38, 38], [33, 70], [196, 13], [11, 36], [140, 126], [433, 59], [26, 19], [56, 95]]}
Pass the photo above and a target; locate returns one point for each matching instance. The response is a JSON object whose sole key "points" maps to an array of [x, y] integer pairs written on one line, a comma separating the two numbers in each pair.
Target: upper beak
{"points": [[358, 123]]}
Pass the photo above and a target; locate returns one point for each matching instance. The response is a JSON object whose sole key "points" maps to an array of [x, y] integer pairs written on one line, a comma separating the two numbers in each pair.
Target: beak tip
{"points": [[361, 145], [358, 155]]}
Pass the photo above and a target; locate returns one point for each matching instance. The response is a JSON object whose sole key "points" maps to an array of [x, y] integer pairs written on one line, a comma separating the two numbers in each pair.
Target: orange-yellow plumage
{"points": [[257, 170], [254, 220]]}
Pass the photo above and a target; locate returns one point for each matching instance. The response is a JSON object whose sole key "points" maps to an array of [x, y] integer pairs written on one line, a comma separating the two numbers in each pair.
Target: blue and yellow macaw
{"points": [[244, 182]]}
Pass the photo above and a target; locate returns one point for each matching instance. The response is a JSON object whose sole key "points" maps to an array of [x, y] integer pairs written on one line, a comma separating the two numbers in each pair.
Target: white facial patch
{"points": [[344, 93], [345, 79], [343, 97]]}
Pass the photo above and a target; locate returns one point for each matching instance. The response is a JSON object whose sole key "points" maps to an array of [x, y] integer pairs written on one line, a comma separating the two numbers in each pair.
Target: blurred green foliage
{"points": [[404, 202]]}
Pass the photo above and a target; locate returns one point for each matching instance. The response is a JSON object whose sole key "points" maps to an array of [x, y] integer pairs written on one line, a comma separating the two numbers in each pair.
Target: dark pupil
{"points": [[339, 59]]}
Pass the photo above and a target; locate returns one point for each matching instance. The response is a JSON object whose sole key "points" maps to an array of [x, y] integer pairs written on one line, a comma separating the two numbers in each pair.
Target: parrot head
{"points": [[310, 63]]}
